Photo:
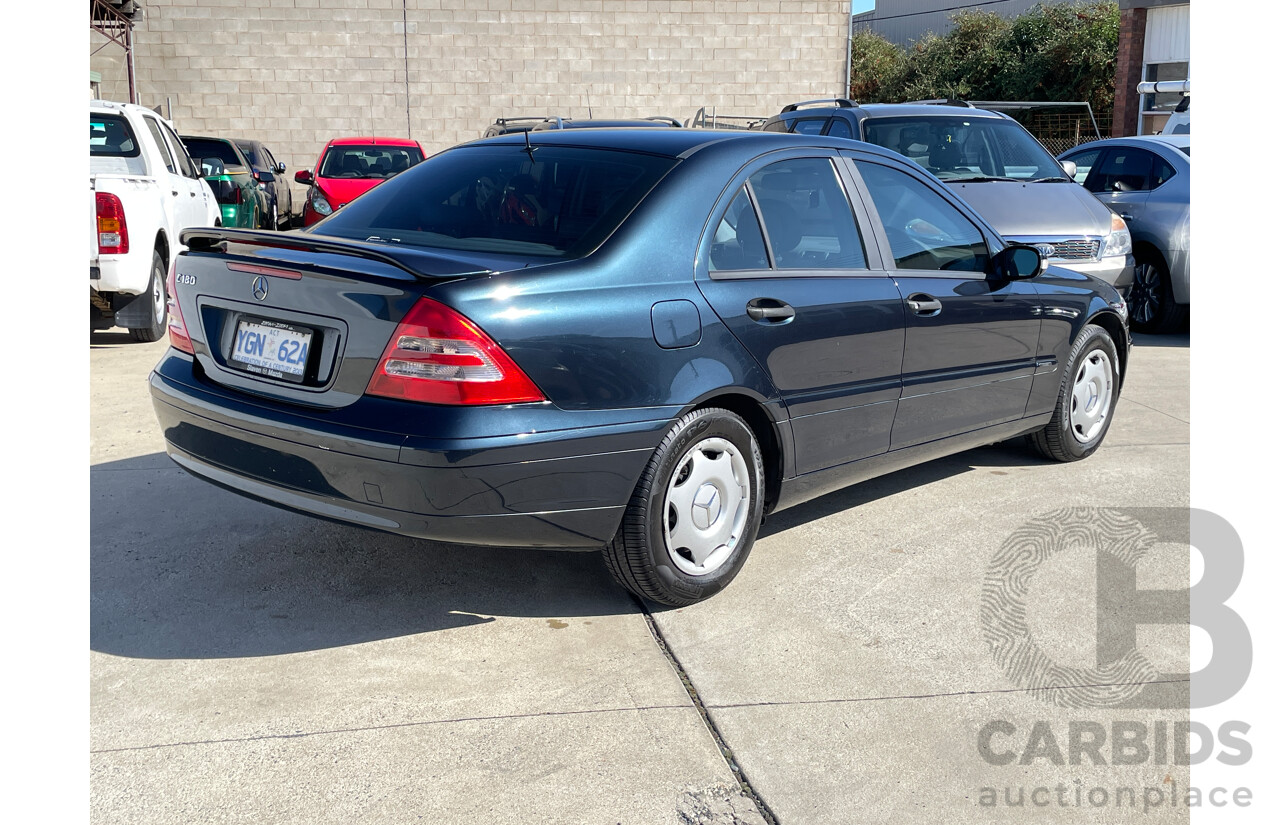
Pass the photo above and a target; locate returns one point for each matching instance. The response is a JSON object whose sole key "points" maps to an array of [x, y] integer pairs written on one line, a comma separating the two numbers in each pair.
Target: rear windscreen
{"points": [[549, 202], [110, 136], [207, 148]]}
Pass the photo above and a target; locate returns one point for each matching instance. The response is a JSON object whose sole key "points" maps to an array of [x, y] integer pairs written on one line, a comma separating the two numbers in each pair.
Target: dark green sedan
{"points": [[237, 192]]}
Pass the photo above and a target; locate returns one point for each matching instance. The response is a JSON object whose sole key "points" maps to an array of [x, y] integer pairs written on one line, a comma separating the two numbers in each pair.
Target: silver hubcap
{"points": [[157, 297], [706, 506], [1091, 396]]}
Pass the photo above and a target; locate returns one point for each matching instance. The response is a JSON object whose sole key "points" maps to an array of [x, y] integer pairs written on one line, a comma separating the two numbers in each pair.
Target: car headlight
{"points": [[1119, 242], [322, 206]]}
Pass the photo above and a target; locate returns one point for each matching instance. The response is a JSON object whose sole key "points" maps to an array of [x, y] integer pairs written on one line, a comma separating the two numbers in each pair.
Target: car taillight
{"points": [[438, 356], [178, 337], [113, 231]]}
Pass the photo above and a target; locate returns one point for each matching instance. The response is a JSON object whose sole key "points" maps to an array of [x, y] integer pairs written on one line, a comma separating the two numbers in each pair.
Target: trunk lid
{"points": [[299, 318]]}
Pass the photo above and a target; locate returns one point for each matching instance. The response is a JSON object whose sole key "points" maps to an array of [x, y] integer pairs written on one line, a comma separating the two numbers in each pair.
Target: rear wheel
{"points": [[158, 303], [1086, 400], [695, 513], [1151, 304]]}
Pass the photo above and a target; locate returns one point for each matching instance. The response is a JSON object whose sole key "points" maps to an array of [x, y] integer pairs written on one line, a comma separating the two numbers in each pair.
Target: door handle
{"points": [[192, 194], [924, 304], [770, 311], [175, 193], [1127, 217]]}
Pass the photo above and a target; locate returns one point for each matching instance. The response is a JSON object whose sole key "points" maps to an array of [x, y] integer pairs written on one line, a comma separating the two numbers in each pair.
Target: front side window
{"points": [[368, 161], [180, 154], [552, 202], [807, 216], [924, 230]]}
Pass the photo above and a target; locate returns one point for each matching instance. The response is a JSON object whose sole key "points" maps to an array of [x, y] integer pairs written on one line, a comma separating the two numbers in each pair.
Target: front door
{"points": [[971, 340]]}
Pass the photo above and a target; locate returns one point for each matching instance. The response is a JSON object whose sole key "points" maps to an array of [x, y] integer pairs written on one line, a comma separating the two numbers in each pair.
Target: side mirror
{"points": [[265, 177], [279, 170], [304, 176], [1017, 261], [211, 166], [1069, 166]]}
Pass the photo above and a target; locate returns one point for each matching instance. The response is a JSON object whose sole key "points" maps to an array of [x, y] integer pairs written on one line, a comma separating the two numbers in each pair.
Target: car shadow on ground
{"points": [[110, 338], [180, 569], [1175, 339]]}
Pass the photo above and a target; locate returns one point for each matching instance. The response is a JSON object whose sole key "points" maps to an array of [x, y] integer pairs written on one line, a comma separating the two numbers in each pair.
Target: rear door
{"points": [[971, 340], [788, 267]]}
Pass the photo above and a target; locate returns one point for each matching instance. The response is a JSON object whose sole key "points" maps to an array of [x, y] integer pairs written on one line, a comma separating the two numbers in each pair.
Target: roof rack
{"points": [[702, 120], [661, 119], [840, 102], [945, 101]]}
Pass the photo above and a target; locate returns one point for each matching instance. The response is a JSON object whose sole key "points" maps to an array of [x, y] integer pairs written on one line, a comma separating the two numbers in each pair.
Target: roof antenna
{"points": [[528, 147]]}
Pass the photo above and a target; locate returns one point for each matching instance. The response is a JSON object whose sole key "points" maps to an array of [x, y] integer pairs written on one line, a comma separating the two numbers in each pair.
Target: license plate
{"points": [[271, 348]]}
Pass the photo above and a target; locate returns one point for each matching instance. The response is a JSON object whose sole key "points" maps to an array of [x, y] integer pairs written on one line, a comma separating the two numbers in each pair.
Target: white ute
{"points": [[144, 189]]}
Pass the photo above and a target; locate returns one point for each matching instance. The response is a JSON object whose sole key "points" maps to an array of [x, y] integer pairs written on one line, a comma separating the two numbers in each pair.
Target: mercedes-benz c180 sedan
{"points": [[636, 340]]}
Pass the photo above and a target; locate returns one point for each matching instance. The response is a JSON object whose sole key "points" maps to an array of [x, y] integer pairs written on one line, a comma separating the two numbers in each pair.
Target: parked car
{"points": [[1147, 182], [991, 162], [269, 173], [349, 167], [144, 189], [692, 333], [234, 185]]}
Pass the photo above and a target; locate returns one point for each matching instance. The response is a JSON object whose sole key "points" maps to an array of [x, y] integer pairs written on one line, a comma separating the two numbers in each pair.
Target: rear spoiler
{"points": [[412, 260]]}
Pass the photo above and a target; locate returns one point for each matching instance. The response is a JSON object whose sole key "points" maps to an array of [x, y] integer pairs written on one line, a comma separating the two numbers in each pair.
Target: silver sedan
{"points": [[1147, 181]]}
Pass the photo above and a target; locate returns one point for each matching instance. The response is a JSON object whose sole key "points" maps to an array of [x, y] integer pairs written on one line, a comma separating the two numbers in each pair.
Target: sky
{"points": [[859, 6]]}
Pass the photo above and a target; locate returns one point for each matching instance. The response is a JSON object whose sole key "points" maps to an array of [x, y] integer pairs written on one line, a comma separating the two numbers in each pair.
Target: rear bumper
{"points": [[572, 496]]}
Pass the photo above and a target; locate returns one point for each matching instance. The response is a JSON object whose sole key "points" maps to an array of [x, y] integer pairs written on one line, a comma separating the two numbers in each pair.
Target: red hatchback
{"points": [[349, 167]]}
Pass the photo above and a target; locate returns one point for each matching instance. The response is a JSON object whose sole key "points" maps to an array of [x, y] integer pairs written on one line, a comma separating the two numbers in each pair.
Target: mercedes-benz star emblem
{"points": [[260, 288]]}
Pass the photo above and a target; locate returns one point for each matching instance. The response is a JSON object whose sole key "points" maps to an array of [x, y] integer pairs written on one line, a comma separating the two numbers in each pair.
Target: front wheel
{"points": [[695, 513], [158, 303], [1086, 400]]}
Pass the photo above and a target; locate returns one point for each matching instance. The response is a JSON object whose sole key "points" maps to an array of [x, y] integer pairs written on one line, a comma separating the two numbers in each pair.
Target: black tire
{"points": [[1064, 438], [159, 302], [639, 558], [1151, 305]]}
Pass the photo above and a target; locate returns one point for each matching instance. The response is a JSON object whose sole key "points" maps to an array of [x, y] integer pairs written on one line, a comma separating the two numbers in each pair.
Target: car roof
{"points": [[679, 142], [605, 124], [1174, 141], [373, 141], [899, 110], [206, 137]]}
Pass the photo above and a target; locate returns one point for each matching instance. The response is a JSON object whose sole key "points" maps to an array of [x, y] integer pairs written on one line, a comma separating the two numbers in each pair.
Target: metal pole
{"points": [[848, 55], [128, 59]]}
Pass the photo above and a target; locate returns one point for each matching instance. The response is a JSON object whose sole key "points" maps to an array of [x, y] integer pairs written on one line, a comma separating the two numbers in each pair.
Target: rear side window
{"points": [[925, 231], [839, 128], [368, 161], [553, 202], [1123, 170], [738, 243], [807, 217], [809, 126]]}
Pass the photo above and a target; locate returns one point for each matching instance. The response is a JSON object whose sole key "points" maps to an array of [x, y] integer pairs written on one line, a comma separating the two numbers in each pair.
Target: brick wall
{"points": [[1133, 33], [294, 73]]}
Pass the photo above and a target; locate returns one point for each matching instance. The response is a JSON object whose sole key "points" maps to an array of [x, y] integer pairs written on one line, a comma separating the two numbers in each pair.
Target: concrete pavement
{"points": [[249, 664]]}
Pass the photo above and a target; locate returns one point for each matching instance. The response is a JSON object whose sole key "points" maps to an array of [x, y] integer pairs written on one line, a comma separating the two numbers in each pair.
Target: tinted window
{"points": [[738, 242], [1161, 171], [207, 148], [111, 136], [160, 142], [1122, 170], [245, 147], [957, 147], [808, 126], [840, 128], [925, 231], [554, 202], [180, 154], [807, 217], [368, 161], [1084, 163], [1186, 150]]}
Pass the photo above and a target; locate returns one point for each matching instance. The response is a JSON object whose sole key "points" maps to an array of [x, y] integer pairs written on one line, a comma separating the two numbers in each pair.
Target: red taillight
{"points": [[178, 337], [438, 356], [113, 231]]}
